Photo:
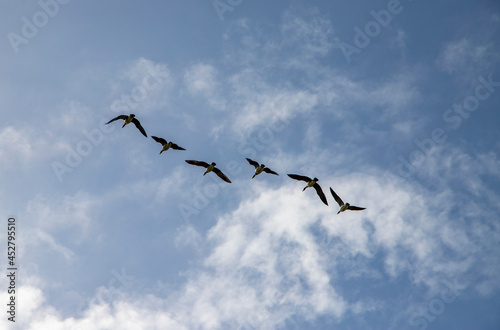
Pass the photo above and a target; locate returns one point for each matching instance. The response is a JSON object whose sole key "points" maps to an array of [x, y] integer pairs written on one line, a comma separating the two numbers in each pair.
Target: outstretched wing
{"points": [[159, 140], [197, 163], [320, 193], [221, 175], [119, 117], [299, 177], [356, 208], [253, 162], [337, 198], [176, 147], [138, 125], [268, 170]]}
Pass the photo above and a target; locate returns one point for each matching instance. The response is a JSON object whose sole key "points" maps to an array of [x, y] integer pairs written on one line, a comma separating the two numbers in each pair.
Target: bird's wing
{"points": [[337, 198], [119, 117], [299, 177], [356, 208], [253, 162], [197, 163], [159, 140], [221, 175], [176, 147], [138, 125], [320, 193], [268, 170]]}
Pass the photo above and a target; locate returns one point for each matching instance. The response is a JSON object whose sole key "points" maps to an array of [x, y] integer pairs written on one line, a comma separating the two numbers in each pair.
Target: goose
{"points": [[210, 168], [166, 145], [345, 206], [130, 119], [259, 168], [310, 183]]}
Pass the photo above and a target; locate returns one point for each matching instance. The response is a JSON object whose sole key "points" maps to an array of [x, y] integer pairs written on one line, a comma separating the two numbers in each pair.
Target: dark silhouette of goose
{"points": [[166, 145], [210, 168], [130, 119], [310, 183], [345, 206], [259, 168]]}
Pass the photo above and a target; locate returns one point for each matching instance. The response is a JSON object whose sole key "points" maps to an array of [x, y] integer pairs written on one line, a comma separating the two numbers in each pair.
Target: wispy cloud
{"points": [[265, 266], [456, 56], [143, 86], [256, 254]]}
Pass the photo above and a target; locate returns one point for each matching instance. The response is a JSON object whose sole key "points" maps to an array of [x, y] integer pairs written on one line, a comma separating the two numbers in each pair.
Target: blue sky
{"points": [[392, 104]]}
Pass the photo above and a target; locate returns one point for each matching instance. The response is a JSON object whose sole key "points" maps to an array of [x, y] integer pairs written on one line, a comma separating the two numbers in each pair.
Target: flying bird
{"points": [[166, 145], [130, 119], [310, 183], [210, 168], [259, 168], [345, 206]]}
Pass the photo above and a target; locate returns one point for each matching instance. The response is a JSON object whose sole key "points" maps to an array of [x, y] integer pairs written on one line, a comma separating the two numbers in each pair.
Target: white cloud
{"points": [[264, 264], [201, 79], [266, 267], [400, 40], [15, 144], [458, 55], [68, 211], [70, 115], [35, 312], [188, 236], [144, 87], [41, 239], [395, 94], [311, 35]]}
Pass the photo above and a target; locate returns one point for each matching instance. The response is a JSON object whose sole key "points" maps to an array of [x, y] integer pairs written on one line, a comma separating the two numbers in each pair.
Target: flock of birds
{"points": [[259, 168]]}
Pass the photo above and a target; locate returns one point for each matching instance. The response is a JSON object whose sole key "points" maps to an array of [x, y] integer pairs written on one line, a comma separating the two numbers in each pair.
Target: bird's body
{"points": [[311, 183], [344, 206], [210, 168], [166, 145], [259, 168], [130, 119]]}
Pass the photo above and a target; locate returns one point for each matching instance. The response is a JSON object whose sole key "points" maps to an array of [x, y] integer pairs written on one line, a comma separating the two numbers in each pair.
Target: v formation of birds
{"points": [[259, 168]]}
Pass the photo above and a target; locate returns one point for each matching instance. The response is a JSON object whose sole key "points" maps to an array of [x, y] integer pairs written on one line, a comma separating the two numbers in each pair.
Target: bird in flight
{"points": [[166, 145], [259, 168], [210, 168], [310, 183], [130, 119], [345, 206]]}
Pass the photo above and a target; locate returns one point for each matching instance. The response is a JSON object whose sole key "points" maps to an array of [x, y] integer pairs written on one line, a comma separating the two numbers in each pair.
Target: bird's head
{"points": [[347, 204], [316, 179], [213, 163], [132, 115]]}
